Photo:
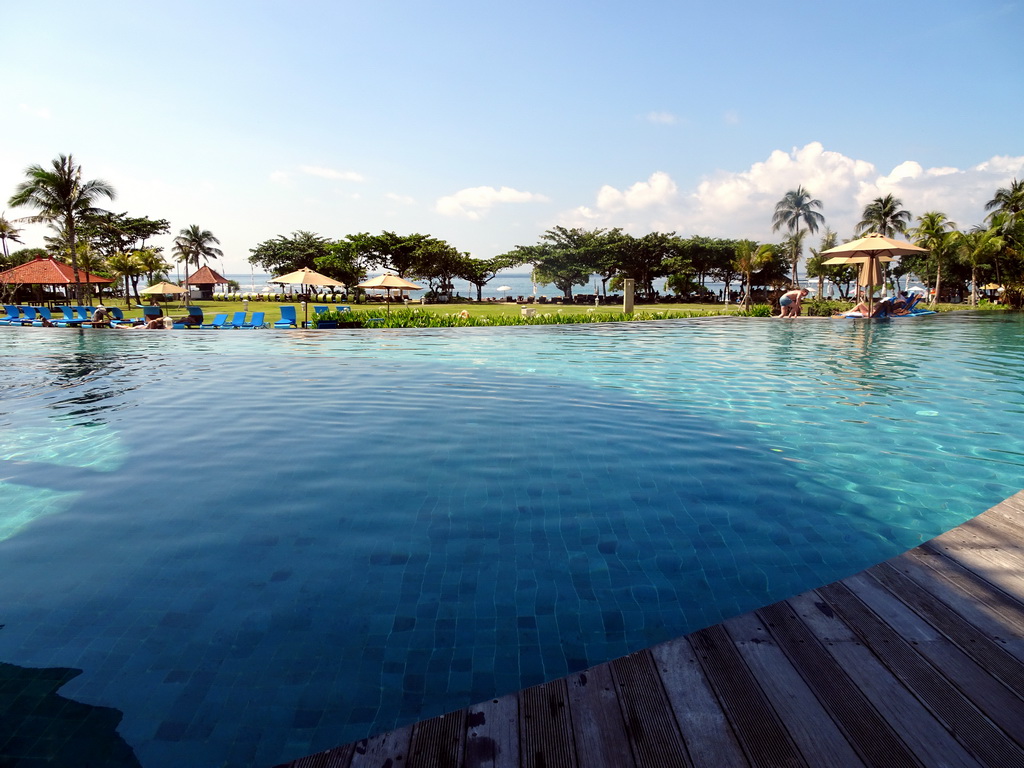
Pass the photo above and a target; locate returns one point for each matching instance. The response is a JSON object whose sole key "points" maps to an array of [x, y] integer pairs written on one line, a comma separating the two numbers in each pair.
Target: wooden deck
{"points": [[918, 661]]}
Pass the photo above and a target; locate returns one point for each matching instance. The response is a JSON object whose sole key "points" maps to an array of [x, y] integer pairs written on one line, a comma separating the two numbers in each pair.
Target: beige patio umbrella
{"points": [[164, 288], [870, 252], [307, 276], [389, 282]]}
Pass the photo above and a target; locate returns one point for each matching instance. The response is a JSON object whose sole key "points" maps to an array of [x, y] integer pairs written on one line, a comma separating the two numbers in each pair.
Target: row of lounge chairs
{"points": [[40, 316], [82, 317]]}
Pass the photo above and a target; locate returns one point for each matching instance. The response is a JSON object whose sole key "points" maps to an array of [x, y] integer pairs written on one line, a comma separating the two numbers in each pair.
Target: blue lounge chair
{"points": [[288, 318], [43, 313], [151, 313], [218, 321], [195, 318], [29, 315], [237, 321], [68, 318], [117, 316], [319, 308], [84, 313], [344, 308], [256, 322], [13, 316]]}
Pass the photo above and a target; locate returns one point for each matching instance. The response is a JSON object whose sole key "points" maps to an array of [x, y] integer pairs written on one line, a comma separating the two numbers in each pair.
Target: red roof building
{"points": [[49, 272], [205, 276]]}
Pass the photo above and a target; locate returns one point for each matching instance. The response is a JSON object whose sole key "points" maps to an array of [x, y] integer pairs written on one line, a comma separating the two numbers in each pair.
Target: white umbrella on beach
{"points": [[503, 288]]}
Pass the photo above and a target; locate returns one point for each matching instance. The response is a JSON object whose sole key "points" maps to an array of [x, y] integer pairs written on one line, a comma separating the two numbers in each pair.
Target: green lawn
{"points": [[476, 311]]}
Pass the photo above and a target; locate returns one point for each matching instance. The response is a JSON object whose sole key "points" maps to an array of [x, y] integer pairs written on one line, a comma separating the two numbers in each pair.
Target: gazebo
{"points": [[49, 272], [204, 279]]}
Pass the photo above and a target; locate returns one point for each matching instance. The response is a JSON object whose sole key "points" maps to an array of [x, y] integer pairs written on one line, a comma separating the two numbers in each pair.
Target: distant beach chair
{"points": [[218, 320], [319, 308], [194, 320], [42, 313], [288, 317], [256, 322], [237, 321], [29, 314], [116, 316], [13, 315]]}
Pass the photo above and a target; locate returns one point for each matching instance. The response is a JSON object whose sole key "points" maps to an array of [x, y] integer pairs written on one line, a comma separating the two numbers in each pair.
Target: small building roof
{"points": [[48, 271], [205, 276]]}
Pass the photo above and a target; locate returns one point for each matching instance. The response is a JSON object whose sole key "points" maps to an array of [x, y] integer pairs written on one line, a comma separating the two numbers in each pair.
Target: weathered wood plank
{"points": [[965, 635], [990, 609], [652, 731], [492, 737], [867, 731], [968, 725], [338, 757], [816, 735], [758, 729], [545, 728], [909, 719], [597, 723], [437, 742], [706, 730], [994, 699], [384, 749]]}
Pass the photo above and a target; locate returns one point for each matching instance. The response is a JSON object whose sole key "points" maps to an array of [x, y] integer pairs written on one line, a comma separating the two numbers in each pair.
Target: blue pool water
{"points": [[260, 544]]}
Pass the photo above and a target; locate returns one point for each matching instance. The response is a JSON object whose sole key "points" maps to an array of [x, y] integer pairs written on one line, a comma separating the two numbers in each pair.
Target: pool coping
{"points": [[918, 660]]}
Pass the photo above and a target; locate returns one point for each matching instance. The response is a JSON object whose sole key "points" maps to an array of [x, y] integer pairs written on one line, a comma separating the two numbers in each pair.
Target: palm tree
{"points": [[749, 258], [935, 232], [796, 206], [1009, 202], [8, 232], [974, 249], [884, 215], [61, 197], [193, 244], [793, 244], [815, 264]]}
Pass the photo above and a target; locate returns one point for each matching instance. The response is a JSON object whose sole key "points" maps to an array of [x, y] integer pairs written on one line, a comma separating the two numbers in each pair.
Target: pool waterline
{"points": [[566, 496]]}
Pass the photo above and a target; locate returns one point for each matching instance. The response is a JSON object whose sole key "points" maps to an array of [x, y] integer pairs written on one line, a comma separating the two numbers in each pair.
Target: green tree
{"points": [[640, 258], [1007, 207], [112, 233], [976, 249], [564, 258], [934, 231], [816, 263], [125, 267], [884, 215], [61, 197], [751, 257], [479, 272], [8, 232], [193, 244], [797, 206], [282, 255]]}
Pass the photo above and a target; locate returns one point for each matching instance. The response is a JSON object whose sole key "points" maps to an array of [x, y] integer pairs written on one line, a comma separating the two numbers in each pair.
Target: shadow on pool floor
{"points": [[40, 728]]}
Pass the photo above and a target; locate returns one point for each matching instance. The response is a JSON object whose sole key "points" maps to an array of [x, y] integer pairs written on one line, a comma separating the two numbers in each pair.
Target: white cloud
{"points": [[403, 199], [330, 173], [741, 203], [661, 118], [473, 202]]}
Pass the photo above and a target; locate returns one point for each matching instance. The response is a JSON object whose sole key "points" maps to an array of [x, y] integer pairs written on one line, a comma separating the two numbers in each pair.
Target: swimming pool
{"points": [[256, 545]]}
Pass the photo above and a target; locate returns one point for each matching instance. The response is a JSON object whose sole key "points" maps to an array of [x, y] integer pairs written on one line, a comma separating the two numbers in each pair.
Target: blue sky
{"points": [[486, 124]]}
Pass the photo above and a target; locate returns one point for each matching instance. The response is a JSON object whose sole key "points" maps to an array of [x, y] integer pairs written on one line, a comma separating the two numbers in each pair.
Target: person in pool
{"points": [[101, 317], [789, 302]]}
